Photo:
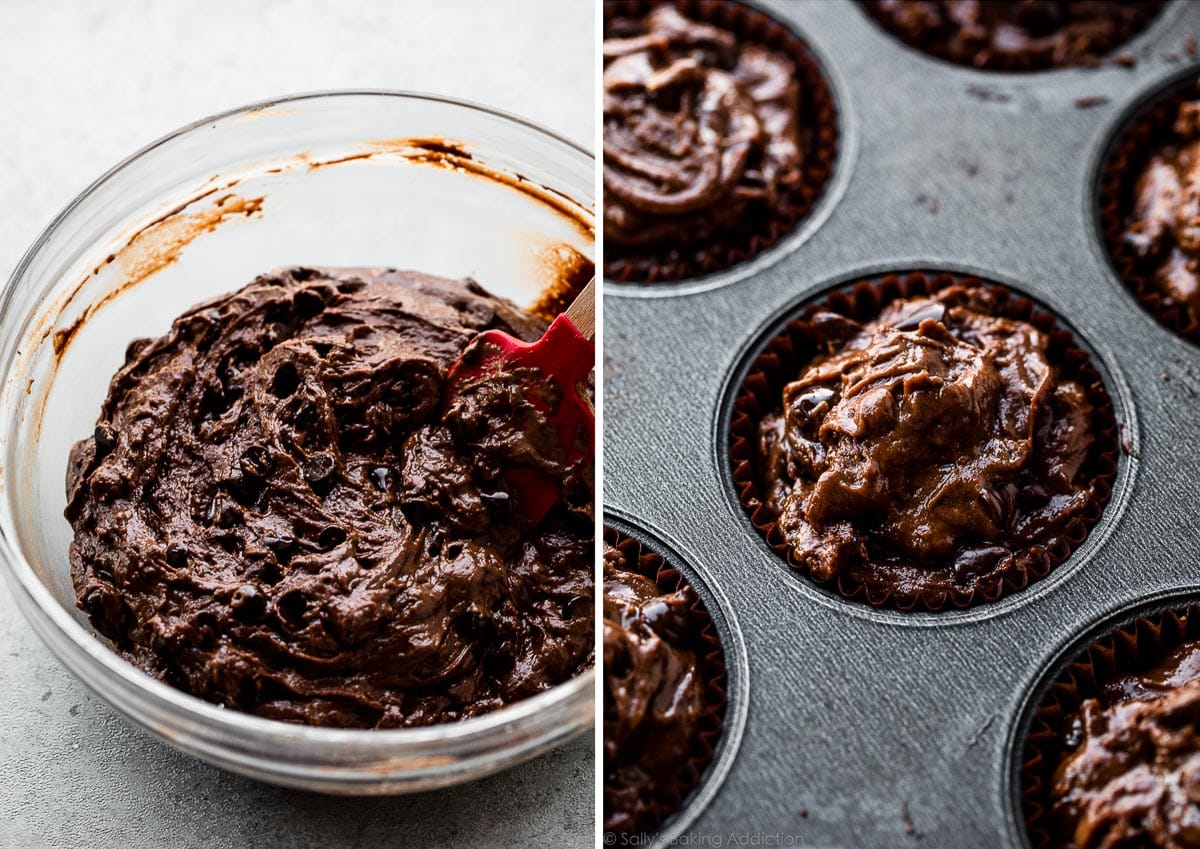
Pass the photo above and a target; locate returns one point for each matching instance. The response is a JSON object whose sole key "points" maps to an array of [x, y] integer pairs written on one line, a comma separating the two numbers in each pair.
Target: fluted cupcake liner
{"points": [[1147, 132], [818, 120], [785, 355], [1031, 60], [711, 657], [1130, 649]]}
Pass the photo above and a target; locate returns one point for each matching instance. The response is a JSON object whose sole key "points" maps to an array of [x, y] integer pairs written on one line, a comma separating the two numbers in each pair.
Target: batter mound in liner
{"points": [[934, 452], [1112, 757], [719, 135], [664, 687]]}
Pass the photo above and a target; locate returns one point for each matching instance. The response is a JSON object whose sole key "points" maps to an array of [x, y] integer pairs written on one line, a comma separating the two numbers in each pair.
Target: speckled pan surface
{"points": [[877, 729]]}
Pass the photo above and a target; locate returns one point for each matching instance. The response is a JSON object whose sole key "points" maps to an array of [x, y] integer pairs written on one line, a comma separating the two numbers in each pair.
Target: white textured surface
{"points": [[84, 84]]}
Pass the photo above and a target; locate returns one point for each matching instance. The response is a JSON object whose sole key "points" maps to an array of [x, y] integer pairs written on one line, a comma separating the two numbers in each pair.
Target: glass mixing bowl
{"points": [[342, 178]]}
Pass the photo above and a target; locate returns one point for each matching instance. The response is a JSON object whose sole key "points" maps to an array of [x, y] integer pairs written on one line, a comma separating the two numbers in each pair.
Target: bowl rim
{"points": [[163, 695]]}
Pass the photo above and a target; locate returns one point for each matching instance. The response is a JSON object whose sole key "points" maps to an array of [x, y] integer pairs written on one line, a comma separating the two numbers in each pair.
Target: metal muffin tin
{"points": [[875, 728]]}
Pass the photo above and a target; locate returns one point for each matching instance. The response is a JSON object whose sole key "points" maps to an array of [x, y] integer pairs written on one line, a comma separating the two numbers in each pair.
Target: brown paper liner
{"points": [[1135, 647], [1147, 132], [764, 228], [940, 48], [711, 658], [784, 356]]}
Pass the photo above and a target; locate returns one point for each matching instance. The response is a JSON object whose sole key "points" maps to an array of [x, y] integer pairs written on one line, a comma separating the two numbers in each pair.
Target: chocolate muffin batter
{"points": [[699, 128], [1015, 34], [277, 514], [1164, 225], [924, 451], [1131, 776], [652, 693]]}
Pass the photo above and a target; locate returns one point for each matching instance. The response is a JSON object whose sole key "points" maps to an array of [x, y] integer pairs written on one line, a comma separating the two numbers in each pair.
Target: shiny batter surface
{"points": [[652, 694], [275, 512], [1164, 227], [1008, 34], [1132, 773], [921, 451], [697, 128]]}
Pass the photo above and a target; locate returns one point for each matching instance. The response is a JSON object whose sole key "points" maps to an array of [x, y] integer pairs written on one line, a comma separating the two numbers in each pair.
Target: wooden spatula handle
{"points": [[582, 311]]}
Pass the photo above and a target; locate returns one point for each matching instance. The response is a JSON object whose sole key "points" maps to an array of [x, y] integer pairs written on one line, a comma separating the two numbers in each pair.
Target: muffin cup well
{"points": [[1134, 647], [785, 354], [1026, 61], [763, 229], [711, 657], [1146, 132]]}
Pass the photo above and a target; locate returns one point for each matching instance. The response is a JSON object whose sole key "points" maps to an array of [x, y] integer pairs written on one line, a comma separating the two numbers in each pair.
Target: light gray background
{"points": [[84, 84]]}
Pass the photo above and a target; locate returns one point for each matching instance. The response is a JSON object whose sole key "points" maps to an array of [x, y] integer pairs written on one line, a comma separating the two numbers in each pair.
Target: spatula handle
{"points": [[582, 311]]}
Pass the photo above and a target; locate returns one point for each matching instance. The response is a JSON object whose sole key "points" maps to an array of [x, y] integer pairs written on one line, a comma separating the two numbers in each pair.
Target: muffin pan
{"points": [[878, 727]]}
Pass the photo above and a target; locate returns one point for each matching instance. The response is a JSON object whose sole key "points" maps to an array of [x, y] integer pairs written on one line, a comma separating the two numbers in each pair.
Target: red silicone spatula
{"points": [[564, 356]]}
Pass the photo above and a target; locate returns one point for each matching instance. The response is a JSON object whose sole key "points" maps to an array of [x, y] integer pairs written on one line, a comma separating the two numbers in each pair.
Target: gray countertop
{"points": [[84, 84]]}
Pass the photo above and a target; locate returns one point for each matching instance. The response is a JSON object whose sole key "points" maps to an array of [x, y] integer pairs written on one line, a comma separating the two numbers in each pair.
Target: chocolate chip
{"points": [[291, 608], [331, 538], [832, 327], [246, 490], [279, 312], [278, 544], [105, 438], [248, 603], [308, 302], [204, 626], [286, 381], [381, 478], [475, 623], [229, 516], [257, 463], [979, 561], [268, 573], [177, 554], [498, 503], [669, 621], [318, 471], [809, 401], [106, 610], [135, 349], [1000, 502], [934, 311]]}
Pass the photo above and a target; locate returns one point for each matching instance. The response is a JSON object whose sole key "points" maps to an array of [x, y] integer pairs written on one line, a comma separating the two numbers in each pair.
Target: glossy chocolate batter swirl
{"points": [[1164, 226], [697, 127], [923, 451], [276, 514], [652, 693], [1132, 773]]}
